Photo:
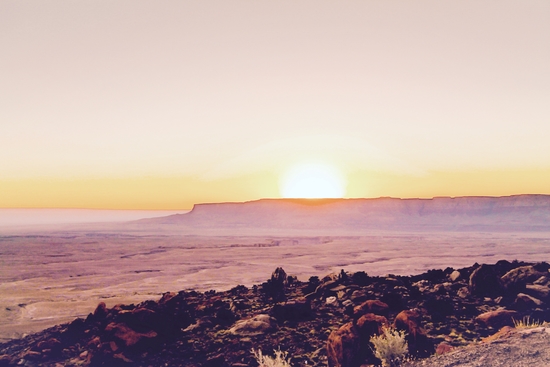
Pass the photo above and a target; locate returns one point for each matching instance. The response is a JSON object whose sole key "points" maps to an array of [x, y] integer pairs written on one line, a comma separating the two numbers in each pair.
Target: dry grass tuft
{"points": [[390, 347], [279, 360], [527, 323]]}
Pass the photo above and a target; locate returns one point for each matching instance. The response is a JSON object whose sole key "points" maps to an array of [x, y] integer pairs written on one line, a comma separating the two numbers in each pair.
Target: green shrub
{"points": [[390, 347], [279, 360]]}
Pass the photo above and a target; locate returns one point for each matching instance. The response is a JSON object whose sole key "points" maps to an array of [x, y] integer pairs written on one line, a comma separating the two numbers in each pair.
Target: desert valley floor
{"points": [[52, 276]]}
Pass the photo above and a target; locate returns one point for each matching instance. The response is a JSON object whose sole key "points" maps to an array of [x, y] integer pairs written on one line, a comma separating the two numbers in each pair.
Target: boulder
{"points": [[526, 302], [259, 324], [371, 306], [350, 346], [409, 321], [516, 279], [343, 346], [497, 319], [369, 325], [541, 292], [484, 281]]}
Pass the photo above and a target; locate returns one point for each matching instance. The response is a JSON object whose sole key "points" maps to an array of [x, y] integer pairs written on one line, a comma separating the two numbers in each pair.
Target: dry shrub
{"points": [[279, 360], [390, 347]]}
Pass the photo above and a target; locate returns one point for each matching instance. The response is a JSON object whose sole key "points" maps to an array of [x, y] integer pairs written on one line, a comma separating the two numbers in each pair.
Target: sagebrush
{"points": [[279, 359], [390, 347]]}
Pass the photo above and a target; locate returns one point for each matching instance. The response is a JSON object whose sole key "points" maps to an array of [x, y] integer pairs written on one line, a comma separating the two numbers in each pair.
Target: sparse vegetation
{"points": [[390, 347], [279, 360], [527, 323]]}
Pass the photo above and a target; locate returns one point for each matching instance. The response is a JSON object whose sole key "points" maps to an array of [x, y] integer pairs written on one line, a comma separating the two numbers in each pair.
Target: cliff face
{"points": [[511, 213]]}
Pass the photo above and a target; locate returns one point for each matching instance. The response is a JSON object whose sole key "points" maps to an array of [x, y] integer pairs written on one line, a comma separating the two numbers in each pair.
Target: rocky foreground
{"points": [[320, 322]]}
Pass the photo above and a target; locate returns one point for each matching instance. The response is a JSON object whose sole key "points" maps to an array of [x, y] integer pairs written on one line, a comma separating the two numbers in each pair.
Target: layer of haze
{"points": [[147, 105]]}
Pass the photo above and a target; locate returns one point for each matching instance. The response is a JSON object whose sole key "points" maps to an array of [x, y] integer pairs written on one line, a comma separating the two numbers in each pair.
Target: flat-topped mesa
{"points": [[469, 213]]}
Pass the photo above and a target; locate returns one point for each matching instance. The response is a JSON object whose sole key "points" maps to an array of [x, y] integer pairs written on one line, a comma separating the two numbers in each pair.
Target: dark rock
{"points": [[541, 292], [439, 307], [525, 302], [484, 281], [295, 310], [127, 336]]}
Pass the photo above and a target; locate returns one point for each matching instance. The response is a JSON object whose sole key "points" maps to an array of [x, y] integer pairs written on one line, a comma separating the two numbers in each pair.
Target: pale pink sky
{"points": [[217, 90]]}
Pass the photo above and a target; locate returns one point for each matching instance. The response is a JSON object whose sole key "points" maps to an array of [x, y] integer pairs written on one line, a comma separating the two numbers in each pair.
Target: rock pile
{"points": [[320, 322]]}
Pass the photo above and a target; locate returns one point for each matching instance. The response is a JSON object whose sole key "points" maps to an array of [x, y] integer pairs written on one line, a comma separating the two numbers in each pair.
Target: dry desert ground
{"points": [[52, 275]]}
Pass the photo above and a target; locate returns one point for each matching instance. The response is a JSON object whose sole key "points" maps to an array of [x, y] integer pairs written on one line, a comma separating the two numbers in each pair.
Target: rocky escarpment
{"points": [[518, 213], [321, 322]]}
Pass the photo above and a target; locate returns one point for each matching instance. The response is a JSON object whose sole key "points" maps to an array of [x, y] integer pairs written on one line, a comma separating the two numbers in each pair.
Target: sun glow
{"points": [[312, 181]]}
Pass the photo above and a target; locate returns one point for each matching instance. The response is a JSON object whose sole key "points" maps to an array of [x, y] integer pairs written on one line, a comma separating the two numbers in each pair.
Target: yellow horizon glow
{"points": [[181, 193]]}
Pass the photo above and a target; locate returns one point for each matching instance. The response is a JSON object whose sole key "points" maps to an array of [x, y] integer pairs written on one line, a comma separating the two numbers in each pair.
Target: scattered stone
{"points": [[192, 329], [443, 348], [525, 302], [454, 276], [127, 336], [497, 319], [516, 279], [259, 324]]}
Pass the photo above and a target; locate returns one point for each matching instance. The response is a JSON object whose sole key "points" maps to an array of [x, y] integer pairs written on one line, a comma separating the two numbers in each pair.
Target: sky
{"points": [[160, 105]]}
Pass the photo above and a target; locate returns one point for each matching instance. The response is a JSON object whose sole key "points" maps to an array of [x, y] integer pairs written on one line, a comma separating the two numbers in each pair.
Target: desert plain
{"points": [[51, 276]]}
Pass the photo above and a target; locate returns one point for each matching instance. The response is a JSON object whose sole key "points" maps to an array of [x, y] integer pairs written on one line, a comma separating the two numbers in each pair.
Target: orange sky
{"points": [[146, 105]]}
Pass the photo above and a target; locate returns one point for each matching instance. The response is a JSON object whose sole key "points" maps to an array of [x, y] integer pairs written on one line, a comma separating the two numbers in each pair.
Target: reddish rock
{"points": [[409, 321], [369, 325], [504, 332], [127, 336], [443, 348], [497, 318], [371, 306], [343, 346], [349, 346]]}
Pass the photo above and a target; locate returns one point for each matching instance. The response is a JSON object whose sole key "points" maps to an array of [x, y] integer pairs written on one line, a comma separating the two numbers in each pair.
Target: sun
{"points": [[312, 181]]}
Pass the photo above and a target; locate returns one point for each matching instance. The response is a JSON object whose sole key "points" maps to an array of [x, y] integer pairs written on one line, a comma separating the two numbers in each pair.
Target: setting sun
{"points": [[312, 181]]}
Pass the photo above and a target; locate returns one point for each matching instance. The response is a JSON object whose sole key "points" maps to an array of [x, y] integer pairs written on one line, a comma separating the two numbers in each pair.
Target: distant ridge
{"points": [[517, 213]]}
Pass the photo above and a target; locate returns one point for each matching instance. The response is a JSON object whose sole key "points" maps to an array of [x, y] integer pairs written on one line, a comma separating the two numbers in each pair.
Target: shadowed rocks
{"points": [[327, 320]]}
